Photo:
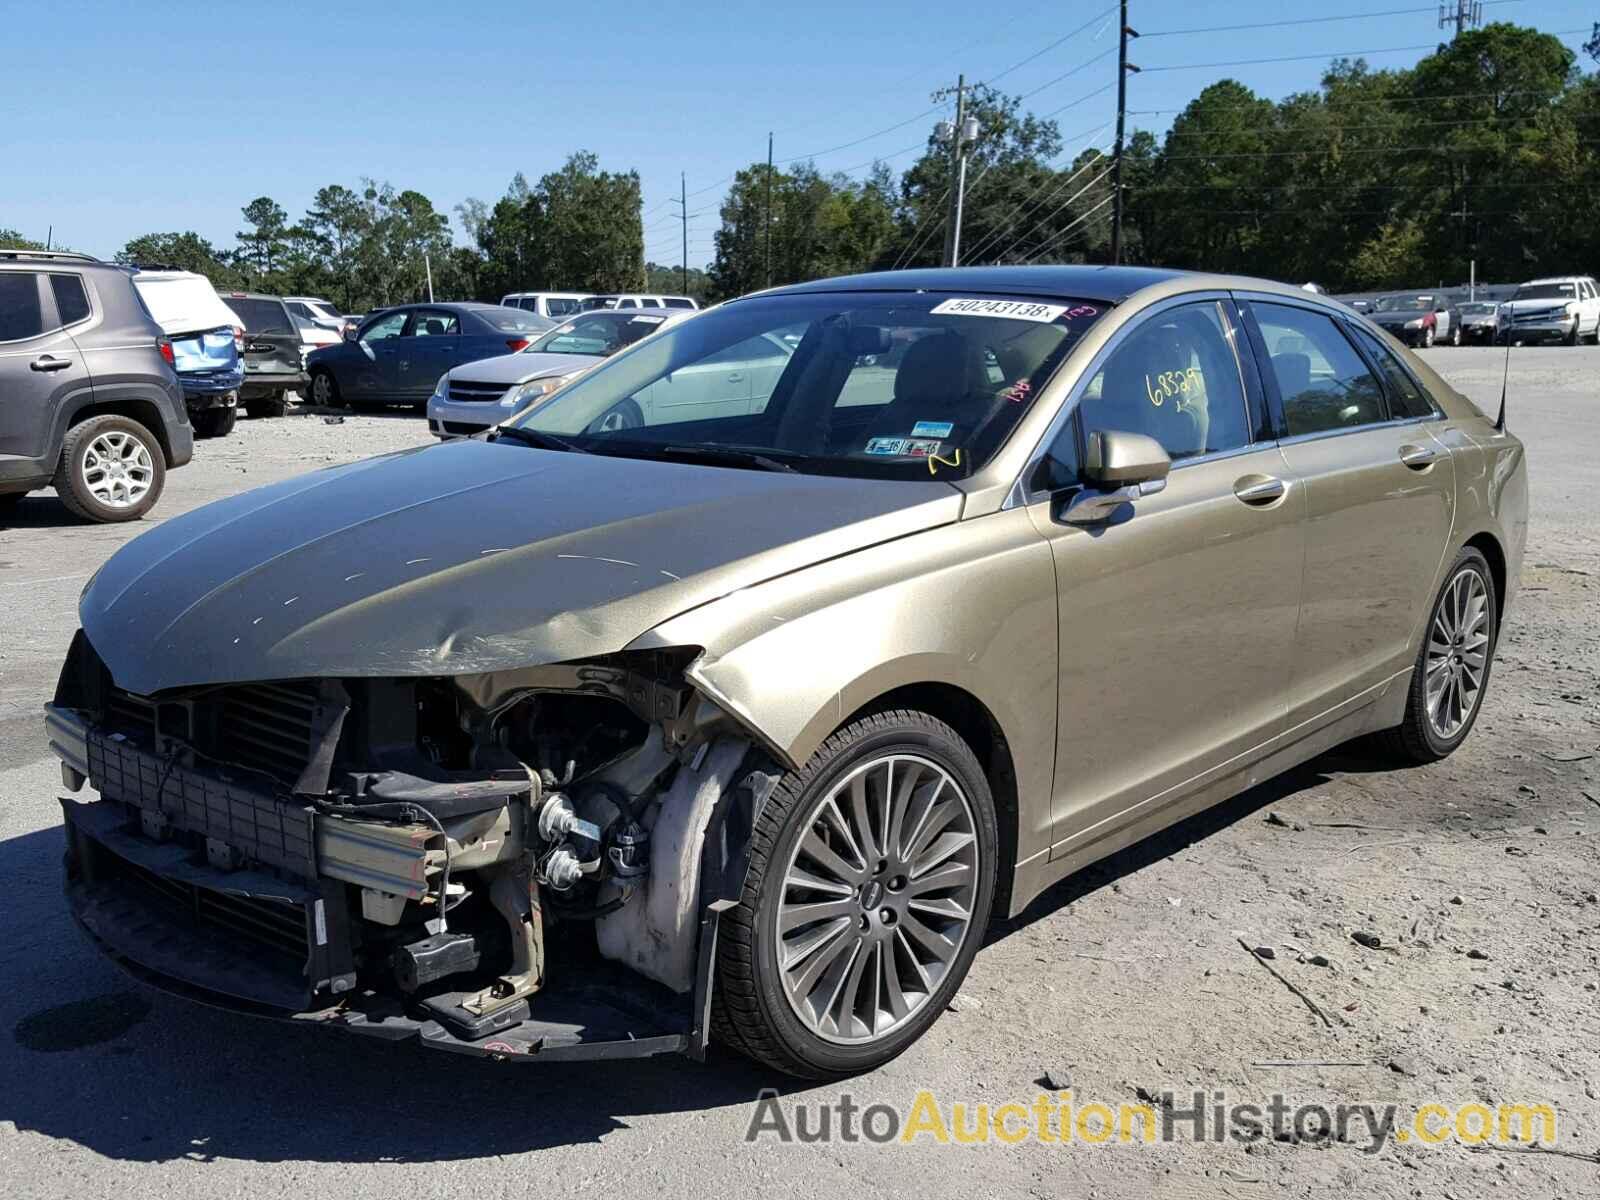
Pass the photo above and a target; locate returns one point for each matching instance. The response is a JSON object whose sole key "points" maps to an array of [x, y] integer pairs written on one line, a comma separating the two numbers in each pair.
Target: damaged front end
{"points": [[528, 862]]}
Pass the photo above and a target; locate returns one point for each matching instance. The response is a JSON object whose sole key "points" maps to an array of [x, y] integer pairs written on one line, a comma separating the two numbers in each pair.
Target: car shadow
{"points": [[1357, 757], [40, 510], [132, 1074]]}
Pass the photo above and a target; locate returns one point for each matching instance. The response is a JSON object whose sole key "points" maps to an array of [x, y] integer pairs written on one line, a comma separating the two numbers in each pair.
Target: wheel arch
{"points": [[1486, 544], [145, 412], [978, 727]]}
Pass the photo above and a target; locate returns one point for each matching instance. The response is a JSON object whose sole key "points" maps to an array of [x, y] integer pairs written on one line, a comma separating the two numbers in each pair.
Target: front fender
{"points": [[971, 605]]}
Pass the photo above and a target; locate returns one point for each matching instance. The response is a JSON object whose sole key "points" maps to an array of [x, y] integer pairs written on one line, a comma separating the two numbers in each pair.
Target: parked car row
{"points": [[1563, 308]]}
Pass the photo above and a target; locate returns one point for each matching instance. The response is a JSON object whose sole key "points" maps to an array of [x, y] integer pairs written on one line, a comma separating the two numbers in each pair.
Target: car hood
{"points": [[466, 557], [1517, 306], [519, 368]]}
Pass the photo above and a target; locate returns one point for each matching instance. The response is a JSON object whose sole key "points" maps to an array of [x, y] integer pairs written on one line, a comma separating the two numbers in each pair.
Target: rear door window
{"points": [[1323, 381], [1406, 399], [72, 301], [21, 315], [434, 322]]}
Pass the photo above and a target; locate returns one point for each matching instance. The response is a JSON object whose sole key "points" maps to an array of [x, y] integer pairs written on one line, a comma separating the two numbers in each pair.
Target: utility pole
{"points": [[1463, 14], [1123, 68], [958, 175], [428, 267], [683, 203], [768, 222]]}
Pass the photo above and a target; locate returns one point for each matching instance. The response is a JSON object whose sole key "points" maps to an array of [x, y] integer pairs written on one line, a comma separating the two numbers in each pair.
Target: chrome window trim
{"points": [[1021, 495], [1346, 431]]}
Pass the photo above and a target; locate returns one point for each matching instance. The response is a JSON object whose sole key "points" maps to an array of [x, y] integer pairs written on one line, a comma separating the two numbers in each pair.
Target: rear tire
{"points": [[1455, 334], [1458, 645], [900, 891], [274, 405], [111, 469], [215, 422], [1427, 338]]}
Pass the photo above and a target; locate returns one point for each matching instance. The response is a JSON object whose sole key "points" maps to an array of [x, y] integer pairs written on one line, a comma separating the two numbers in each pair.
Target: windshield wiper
{"points": [[536, 439], [724, 454]]}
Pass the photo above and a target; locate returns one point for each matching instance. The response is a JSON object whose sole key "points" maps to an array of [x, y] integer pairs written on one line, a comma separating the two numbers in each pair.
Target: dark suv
{"points": [[273, 366], [89, 400]]}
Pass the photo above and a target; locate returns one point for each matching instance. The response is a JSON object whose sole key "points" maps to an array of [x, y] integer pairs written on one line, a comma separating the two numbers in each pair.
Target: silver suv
{"points": [[89, 400]]}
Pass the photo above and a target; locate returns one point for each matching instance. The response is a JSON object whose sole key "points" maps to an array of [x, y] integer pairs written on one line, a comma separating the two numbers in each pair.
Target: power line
{"points": [[1079, 100], [1087, 63], [1030, 207], [1323, 150], [1100, 178], [1157, 112], [1390, 12], [1094, 20], [1249, 62], [1048, 247]]}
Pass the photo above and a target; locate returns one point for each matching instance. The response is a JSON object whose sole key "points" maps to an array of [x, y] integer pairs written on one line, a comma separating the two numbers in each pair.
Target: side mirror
{"points": [[1117, 459], [1120, 467], [350, 333]]}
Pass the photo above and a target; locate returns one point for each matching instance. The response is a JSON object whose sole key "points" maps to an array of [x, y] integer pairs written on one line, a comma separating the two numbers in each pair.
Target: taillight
{"points": [[517, 344], [165, 346], [238, 338]]}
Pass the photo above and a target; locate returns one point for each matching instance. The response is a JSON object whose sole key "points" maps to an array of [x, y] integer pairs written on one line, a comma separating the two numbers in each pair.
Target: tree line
{"points": [[1486, 150]]}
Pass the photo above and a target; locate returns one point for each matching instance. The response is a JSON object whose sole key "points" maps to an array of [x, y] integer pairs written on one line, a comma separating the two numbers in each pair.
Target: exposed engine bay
{"points": [[523, 862]]}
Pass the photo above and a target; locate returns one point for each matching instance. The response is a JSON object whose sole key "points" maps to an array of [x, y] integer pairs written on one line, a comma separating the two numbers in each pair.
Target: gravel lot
{"points": [[1125, 977]]}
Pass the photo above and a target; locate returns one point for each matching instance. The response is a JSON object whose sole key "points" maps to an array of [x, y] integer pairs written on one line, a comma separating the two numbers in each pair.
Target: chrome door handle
{"points": [[735, 376], [1259, 490], [46, 363], [1418, 458]]}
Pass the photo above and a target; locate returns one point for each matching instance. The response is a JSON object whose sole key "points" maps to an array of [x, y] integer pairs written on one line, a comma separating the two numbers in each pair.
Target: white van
{"points": [[639, 300], [554, 305]]}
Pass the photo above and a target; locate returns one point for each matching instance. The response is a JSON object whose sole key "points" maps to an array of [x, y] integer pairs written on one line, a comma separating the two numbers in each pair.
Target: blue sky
{"points": [[123, 119]]}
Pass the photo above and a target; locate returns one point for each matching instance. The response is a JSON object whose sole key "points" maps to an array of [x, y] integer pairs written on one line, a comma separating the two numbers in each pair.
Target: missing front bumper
{"points": [[228, 940]]}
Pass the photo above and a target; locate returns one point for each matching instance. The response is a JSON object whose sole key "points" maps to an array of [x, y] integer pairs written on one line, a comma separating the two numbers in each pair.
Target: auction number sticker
{"points": [[1015, 310]]}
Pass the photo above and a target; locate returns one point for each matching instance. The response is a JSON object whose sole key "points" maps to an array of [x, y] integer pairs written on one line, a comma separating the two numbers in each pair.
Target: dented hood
{"points": [[466, 557]]}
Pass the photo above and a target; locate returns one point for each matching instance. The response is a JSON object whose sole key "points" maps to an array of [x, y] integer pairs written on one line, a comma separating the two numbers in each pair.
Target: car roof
{"points": [[249, 296], [1555, 279], [1104, 283]]}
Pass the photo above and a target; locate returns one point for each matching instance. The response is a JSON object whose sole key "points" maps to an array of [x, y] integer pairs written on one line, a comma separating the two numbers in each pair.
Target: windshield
{"points": [[597, 334], [262, 316], [1478, 309], [887, 385], [1546, 291], [1405, 304]]}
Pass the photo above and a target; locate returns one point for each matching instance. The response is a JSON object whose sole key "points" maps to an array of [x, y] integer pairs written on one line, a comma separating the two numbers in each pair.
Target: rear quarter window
{"points": [[72, 300]]}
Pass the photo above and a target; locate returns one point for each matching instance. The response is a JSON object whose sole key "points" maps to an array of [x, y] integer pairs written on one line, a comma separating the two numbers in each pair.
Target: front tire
{"points": [[1451, 673], [1427, 338], [111, 469], [1455, 334], [872, 872], [325, 389]]}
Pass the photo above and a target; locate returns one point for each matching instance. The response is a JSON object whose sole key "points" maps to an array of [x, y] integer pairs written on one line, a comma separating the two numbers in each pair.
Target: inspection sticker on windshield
{"points": [[932, 429], [883, 445], [1015, 310], [646, 320]]}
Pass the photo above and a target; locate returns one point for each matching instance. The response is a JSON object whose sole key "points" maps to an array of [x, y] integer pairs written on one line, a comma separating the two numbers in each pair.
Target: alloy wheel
{"points": [[877, 898], [117, 469], [1458, 654]]}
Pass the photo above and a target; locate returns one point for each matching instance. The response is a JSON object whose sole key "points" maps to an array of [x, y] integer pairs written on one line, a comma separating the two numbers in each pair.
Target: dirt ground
{"points": [[1477, 875]]}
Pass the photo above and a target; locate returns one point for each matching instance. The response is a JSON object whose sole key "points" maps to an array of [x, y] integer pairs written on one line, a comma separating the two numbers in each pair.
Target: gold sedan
{"points": [[790, 644]]}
